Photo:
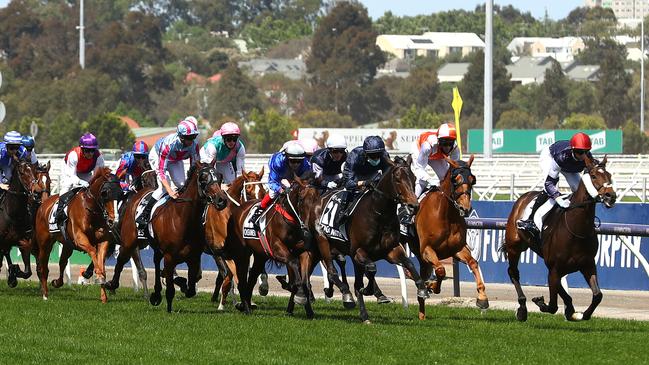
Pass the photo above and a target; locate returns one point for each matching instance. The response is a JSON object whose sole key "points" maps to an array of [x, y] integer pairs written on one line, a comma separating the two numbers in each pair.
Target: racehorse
{"points": [[177, 230], [373, 229], [441, 230], [90, 227], [569, 242], [285, 240], [243, 187], [16, 212]]}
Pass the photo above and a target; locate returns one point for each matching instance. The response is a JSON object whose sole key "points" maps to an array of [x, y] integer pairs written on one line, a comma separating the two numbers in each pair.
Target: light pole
{"points": [[82, 40], [642, 68], [488, 79]]}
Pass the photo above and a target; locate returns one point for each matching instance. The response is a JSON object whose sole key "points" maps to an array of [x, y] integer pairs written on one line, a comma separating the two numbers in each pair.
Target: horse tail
{"points": [[503, 247]]}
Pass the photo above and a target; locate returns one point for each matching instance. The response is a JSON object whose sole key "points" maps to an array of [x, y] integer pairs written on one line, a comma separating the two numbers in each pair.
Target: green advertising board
{"points": [[534, 140]]}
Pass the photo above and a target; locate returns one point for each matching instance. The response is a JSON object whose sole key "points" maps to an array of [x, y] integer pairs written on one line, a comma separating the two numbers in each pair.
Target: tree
{"points": [[581, 97], [422, 118], [235, 94], [270, 130], [273, 31], [472, 87], [584, 121], [613, 85], [634, 140], [110, 131], [526, 98], [62, 134], [516, 119], [343, 61], [554, 92], [328, 119], [420, 88]]}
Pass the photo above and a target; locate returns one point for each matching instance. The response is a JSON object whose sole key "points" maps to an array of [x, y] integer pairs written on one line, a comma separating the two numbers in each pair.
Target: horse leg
{"points": [[430, 256], [425, 271], [66, 252], [168, 273], [590, 274], [255, 270], [156, 296], [141, 271], [332, 274], [98, 255], [125, 251], [12, 270], [369, 267], [513, 256], [359, 273], [25, 253], [193, 271], [554, 281], [43, 269], [465, 256], [569, 310], [242, 265], [305, 271]]}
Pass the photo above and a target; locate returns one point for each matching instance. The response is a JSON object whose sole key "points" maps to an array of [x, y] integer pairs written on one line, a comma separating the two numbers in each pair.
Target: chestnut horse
{"points": [[90, 227], [178, 232], [373, 229], [16, 212], [569, 242], [441, 230]]}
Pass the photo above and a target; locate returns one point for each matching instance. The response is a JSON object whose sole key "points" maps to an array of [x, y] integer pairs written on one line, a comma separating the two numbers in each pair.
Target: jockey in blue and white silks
{"points": [[132, 164], [10, 147]]}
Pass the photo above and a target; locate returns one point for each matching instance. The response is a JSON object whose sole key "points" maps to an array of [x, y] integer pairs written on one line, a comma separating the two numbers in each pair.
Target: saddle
{"points": [[61, 218], [339, 208]]}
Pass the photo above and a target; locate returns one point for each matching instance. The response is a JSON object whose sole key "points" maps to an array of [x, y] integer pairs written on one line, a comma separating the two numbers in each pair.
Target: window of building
{"points": [[455, 50]]}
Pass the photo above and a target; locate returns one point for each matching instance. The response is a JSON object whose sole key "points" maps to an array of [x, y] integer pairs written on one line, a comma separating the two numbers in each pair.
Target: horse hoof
{"points": [[422, 316], [384, 300], [329, 292], [576, 317], [190, 293], [56, 283], [300, 299], [423, 293], [181, 283], [253, 305], [155, 299], [348, 301], [221, 307], [367, 291], [539, 301], [482, 304], [44, 297], [521, 314], [283, 282], [12, 280], [367, 321], [111, 286], [263, 287]]}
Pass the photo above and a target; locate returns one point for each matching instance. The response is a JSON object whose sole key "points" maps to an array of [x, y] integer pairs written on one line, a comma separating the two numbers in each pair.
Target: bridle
{"points": [[464, 171], [113, 192], [213, 178]]}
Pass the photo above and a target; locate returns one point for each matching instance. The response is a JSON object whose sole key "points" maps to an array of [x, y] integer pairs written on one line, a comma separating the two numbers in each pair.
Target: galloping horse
{"points": [[373, 229], [569, 242], [16, 221], [242, 189], [177, 230], [90, 227], [441, 230], [283, 242]]}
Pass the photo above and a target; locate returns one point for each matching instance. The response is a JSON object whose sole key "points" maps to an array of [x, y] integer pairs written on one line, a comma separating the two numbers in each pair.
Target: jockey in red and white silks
{"points": [[431, 150], [80, 164]]}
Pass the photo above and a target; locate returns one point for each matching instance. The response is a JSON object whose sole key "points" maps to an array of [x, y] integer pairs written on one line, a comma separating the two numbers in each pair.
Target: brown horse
{"points": [[25, 190], [216, 232], [441, 230], [569, 242], [373, 229], [178, 230], [90, 227]]}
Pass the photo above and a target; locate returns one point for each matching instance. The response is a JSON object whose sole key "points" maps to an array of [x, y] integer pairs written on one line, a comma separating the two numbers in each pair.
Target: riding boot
{"points": [[528, 224], [255, 217], [346, 209], [143, 219]]}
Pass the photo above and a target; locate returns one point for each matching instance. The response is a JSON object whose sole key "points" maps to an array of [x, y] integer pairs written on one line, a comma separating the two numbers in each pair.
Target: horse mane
{"points": [[102, 172]]}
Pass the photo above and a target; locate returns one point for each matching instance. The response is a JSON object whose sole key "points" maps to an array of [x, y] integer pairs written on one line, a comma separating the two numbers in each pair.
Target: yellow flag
{"points": [[457, 107]]}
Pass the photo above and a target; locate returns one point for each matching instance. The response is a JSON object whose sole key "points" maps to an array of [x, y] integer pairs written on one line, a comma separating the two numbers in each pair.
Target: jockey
{"points": [[565, 158], [30, 155], [80, 164], [133, 164], [363, 167], [166, 158], [9, 148], [225, 152], [284, 165], [431, 150], [309, 145], [327, 162]]}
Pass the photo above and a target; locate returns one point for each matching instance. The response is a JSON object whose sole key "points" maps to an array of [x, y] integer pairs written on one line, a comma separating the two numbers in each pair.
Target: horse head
{"points": [[251, 179], [24, 180], [598, 182], [42, 175], [209, 186], [398, 183], [461, 181], [105, 188]]}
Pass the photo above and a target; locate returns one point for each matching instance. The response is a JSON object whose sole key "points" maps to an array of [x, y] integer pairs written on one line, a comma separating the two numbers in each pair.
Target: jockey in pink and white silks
{"points": [[431, 150], [225, 152], [561, 158]]}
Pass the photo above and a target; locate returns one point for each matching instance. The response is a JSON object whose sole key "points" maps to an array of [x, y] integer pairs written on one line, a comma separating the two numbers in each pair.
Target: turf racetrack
{"points": [[73, 327]]}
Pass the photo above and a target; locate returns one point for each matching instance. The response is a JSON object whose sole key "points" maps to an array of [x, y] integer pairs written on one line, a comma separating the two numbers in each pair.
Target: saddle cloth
{"points": [[53, 227], [332, 213], [140, 207], [409, 229], [249, 231]]}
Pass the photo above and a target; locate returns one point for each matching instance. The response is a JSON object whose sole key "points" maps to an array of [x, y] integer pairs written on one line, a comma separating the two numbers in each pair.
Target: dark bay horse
{"points": [[16, 216], [569, 242], [178, 230], [441, 230], [373, 229], [90, 227]]}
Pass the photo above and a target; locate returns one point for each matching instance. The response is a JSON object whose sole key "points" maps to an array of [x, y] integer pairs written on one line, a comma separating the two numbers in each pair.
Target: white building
{"points": [[623, 9], [430, 44], [561, 49]]}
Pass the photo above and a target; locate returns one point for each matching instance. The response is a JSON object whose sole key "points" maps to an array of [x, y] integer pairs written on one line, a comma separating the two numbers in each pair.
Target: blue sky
{"points": [[557, 9]]}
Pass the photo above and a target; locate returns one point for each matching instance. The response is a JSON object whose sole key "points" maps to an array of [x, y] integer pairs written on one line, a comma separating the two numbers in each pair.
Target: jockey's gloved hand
{"points": [[332, 185], [562, 201], [83, 183]]}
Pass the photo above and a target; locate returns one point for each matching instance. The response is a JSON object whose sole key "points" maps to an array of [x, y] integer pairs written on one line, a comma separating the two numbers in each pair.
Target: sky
{"points": [[557, 9]]}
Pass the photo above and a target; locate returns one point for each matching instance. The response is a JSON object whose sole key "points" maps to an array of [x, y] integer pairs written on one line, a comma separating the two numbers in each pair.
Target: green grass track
{"points": [[73, 327]]}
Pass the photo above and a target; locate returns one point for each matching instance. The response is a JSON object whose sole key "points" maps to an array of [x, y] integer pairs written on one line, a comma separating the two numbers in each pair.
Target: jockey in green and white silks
{"points": [[225, 152]]}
